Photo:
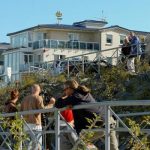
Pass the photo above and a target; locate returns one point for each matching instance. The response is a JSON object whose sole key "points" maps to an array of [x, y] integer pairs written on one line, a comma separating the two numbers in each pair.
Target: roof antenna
{"points": [[103, 18], [59, 16]]}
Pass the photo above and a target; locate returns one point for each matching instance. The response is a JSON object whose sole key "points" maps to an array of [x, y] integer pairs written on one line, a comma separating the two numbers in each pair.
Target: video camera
{"points": [[46, 99], [46, 96]]}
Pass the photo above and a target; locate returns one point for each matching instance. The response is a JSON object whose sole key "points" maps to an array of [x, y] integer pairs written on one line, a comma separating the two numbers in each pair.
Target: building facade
{"points": [[3, 48], [51, 42]]}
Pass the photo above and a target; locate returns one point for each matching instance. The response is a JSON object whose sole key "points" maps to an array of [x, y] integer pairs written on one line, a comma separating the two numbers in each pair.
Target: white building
{"points": [[47, 42]]}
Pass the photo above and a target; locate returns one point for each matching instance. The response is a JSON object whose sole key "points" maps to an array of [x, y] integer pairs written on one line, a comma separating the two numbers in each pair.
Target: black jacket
{"points": [[80, 115]]}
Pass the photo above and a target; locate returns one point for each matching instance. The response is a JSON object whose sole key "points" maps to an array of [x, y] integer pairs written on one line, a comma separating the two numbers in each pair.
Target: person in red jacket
{"points": [[68, 116]]}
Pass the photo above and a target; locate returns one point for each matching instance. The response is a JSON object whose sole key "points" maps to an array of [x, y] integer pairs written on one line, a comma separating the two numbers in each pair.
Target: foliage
{"points": [[87, 136], [15, 127], [113, 83], [143, 142], [28, 80]]}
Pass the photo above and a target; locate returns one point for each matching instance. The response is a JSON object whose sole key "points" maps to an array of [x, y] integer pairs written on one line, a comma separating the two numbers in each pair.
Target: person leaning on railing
{"points": [[67, 140], [135, 52], [78, 95], [32, 102]]}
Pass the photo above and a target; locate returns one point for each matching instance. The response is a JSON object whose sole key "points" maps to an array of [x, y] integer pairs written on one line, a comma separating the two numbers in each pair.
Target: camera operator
{"points": [[32, 102]]}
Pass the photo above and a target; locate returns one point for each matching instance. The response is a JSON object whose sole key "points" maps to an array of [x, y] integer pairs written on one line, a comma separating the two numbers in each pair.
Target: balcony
{"points": [[59, 44]]}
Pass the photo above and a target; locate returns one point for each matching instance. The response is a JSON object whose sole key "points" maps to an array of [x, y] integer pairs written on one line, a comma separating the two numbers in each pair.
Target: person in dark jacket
{"points": [[135, 52], [78, 95], [126, 47]]}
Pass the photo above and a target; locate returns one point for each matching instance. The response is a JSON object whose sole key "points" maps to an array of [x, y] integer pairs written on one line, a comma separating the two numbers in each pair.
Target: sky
{"points": [[16, 15]]}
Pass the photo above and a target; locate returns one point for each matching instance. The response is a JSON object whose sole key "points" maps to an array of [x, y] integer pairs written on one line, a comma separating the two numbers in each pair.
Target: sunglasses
{"points": [[65, 88]]}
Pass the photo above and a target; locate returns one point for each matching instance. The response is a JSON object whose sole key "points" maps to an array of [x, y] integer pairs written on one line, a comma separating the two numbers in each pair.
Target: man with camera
{"points": [[32, 102]]}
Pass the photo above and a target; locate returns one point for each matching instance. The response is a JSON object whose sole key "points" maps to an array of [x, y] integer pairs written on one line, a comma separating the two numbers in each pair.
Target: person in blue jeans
{"points": [[135, 52]]}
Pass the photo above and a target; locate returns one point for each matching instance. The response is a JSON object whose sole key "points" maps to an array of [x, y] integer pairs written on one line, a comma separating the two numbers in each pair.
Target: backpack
{"points": [[126, 50]]}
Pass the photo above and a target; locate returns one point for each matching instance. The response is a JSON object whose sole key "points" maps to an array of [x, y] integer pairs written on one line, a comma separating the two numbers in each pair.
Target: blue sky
{"points": [[20, 14]]}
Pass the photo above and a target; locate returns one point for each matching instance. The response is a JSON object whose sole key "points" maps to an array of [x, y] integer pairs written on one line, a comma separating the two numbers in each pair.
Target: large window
{"points": [[90, 46], [82, 45], [30, 36], [19, 40], [14, 64], [30, 39], [96, 46], [61, 44], [38, 36], [36, 45], [122, 37], [54, 44], [73, 37], [28, 58], [109, 38]]}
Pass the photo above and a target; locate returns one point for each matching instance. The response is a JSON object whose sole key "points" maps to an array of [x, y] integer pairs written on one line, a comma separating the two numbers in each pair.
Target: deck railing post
{"points": [[107, 128], [68, 71], [83, 64], [117, 55], [57, 130], [99, 61]]}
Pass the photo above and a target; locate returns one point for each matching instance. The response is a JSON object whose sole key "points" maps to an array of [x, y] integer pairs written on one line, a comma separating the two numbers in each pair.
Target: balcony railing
{"points": [[59, 44], [107, 106]]}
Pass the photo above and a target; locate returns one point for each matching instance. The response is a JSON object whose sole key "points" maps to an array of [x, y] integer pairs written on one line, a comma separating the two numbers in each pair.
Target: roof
{"points": [[76, 26], [4, 46], [54, 26], [91, 21], [115, 26], [129, 30]]}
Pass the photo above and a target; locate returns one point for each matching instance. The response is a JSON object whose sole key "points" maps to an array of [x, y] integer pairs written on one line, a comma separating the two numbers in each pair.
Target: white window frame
{"points": [[110, 43], [120, 38]]}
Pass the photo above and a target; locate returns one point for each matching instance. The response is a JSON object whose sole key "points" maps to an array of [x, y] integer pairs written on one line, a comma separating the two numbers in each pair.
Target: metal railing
{"points": [[108, 111]]}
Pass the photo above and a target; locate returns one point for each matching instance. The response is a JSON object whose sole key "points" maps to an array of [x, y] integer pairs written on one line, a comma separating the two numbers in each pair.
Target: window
{"points": [[38, 36], [109, 39], [76, 45], [44, 35], [54, 44], [25, 59], [82, 45], [39, 58], [73, 37], [61, 44], [90, 46], [36, 45], [29, 44], [30, 36], [96, 46], [28, 58], [19, 40], [122, 37]]}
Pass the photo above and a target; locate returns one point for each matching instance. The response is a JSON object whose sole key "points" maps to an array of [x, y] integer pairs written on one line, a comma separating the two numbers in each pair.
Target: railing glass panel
{"points": [[47, 43]]}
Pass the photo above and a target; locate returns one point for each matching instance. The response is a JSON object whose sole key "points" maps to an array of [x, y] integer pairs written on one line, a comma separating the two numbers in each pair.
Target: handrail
{"points": [[108, 110], [106, 103]]}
